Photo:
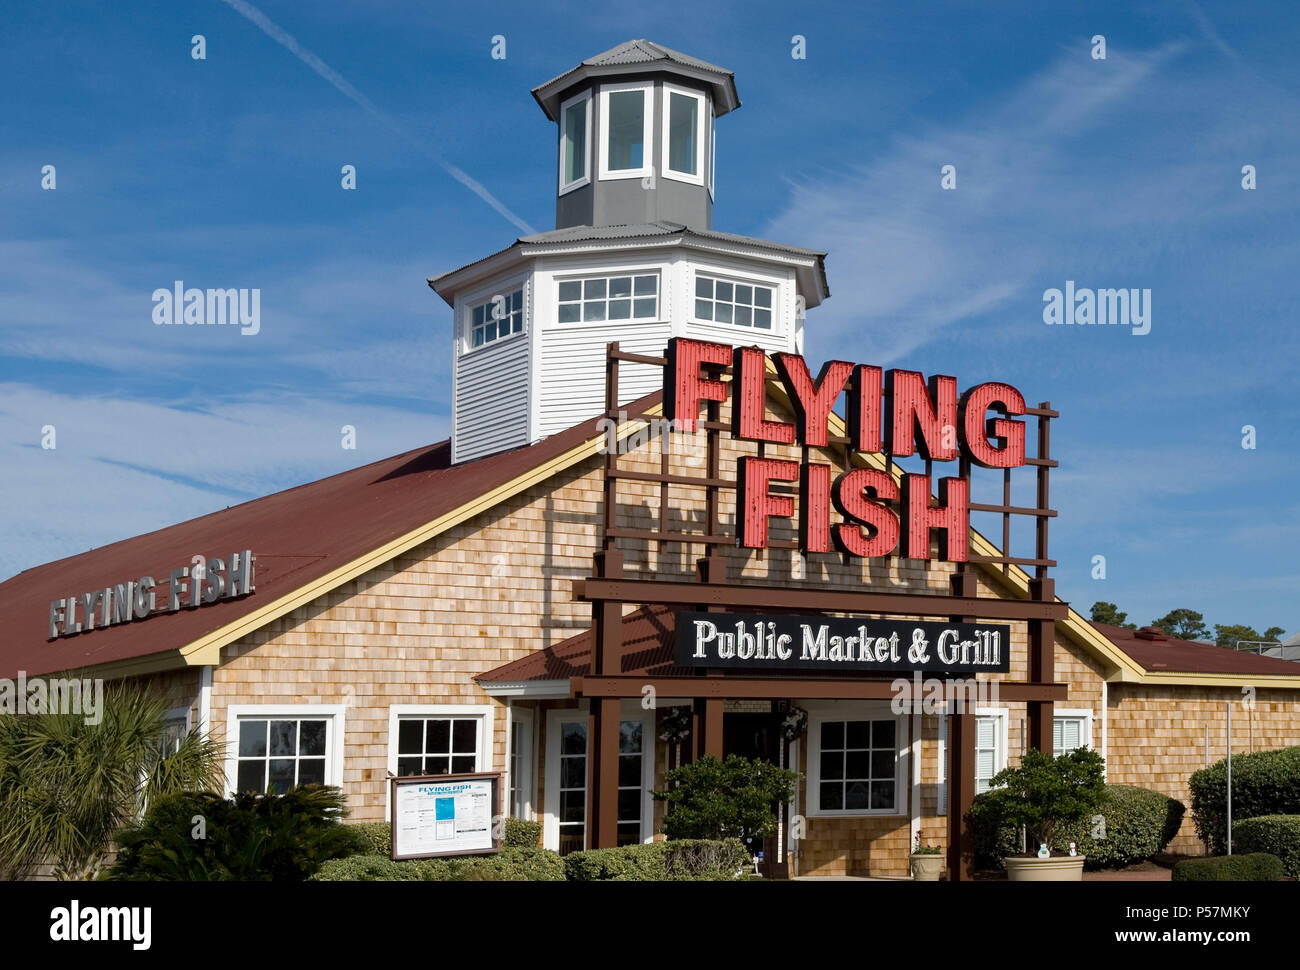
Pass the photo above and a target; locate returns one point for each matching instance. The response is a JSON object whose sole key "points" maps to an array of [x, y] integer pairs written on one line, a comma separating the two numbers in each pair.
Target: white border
{"points": [[647, 153], [856, 711], [565, 188], [668, 91], [742, 278], [527, 759], [333, 715]]}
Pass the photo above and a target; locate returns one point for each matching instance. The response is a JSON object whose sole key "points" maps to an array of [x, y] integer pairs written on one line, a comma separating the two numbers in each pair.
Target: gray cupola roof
{"points": [[641, 57]]}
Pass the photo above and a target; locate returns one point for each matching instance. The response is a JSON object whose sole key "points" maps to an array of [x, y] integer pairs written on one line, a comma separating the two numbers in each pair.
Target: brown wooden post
{"points": [[961, 758], [961, 792], [1042, 633]]}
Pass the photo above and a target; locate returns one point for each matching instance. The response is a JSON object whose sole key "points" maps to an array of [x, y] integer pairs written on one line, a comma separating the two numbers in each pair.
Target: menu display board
{"points": [[444, 815]]}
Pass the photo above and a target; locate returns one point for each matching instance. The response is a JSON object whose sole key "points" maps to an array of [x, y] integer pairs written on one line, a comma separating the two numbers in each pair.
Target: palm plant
{"points": [[66, 786]]}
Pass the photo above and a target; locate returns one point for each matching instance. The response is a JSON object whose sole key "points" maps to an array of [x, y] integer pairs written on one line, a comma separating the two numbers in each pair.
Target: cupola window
{"points": [[600, 298], [724, 301], [575, 123], [498, 317], [683, 137], [625, 131]]}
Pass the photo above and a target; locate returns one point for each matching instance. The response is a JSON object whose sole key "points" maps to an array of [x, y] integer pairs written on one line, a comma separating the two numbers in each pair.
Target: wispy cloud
{"points": [[289, 43]]}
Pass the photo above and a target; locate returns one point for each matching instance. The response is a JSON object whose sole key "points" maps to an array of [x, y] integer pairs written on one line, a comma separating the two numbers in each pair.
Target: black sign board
{"points": [[750, 641]]}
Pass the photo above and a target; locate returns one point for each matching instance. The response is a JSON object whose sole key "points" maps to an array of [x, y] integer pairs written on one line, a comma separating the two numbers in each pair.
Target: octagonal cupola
{"points": [[633, 258], [636, 136]]}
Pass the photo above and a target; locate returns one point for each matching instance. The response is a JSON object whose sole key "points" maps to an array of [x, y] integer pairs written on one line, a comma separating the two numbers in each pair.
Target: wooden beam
{"points": [[814, 600], [631, 685]]}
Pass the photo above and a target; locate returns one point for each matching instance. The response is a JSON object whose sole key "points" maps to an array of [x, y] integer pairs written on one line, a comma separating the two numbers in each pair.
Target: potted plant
{"points": [[1037, 795], [927, 861]]}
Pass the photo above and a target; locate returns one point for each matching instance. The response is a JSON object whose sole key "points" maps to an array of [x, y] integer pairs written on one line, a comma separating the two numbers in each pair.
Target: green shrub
{"points": [[712, 799], [1275, 834], [522, 834], [1263, 783], [718, 859], [1254, 867], [373, 838], [513, 865], [1138, 824], [249, 837], [1043, 793]]}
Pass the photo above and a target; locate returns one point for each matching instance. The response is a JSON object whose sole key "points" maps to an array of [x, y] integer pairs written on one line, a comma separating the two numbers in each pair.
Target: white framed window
{"points": [[855, 762], [626, 133], [499, 316], [683, 134], [439, 739], [713, 148], [564, 828], [990, 745], [742, 304], [594, 299], [176, 725], [520, 752], [280, 746], [636, 748], [1071, 728], [575, 142]]}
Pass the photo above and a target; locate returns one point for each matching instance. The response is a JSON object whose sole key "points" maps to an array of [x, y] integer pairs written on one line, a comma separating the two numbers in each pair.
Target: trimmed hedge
{"points": [[1253, 867], [522, 834], [509, 865], [1263, 783], [679, 859], [1275, 834], [1139, 823], [376, 838]]}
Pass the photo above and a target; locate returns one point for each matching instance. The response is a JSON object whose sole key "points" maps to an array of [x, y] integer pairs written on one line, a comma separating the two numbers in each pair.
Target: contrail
{"points": [[286, 40]]}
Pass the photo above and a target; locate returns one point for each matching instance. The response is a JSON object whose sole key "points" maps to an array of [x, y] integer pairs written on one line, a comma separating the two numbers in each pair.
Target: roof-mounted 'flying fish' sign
{"points": [[895, 412], [209, 581]]}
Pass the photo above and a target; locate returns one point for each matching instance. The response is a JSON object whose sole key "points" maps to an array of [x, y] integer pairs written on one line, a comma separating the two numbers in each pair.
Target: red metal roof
{"points": [[297, 536], [647, 649], [1158, 653]]}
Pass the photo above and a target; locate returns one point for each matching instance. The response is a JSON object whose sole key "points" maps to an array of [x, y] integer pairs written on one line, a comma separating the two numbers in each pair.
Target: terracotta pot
{"points": [[1057, 868], [927, 867]]}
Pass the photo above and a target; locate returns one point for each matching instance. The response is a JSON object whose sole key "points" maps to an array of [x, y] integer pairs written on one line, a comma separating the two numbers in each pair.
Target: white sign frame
{"points": [[472, 785]]}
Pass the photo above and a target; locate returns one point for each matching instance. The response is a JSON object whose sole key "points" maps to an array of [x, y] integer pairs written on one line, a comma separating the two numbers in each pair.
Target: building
{"points": [[508, 599]]}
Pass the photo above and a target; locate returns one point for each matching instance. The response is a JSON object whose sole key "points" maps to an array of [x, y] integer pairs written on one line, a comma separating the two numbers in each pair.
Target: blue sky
{"points": [[1123, 172]]}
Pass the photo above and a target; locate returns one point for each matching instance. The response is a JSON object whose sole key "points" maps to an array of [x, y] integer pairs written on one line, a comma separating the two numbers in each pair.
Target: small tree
{"points": [[67, 785], [1043, 791], [712, 799]]}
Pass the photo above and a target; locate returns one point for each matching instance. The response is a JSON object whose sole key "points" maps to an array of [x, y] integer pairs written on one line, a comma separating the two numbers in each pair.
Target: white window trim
{"points": [[179, 714], [668, 91], [857, 711], [332, 714], [1001, 734], [527, 761], [465, 337], [551, 802], [484, 712], [566, 187], [1084, 713], [647, 153]]}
